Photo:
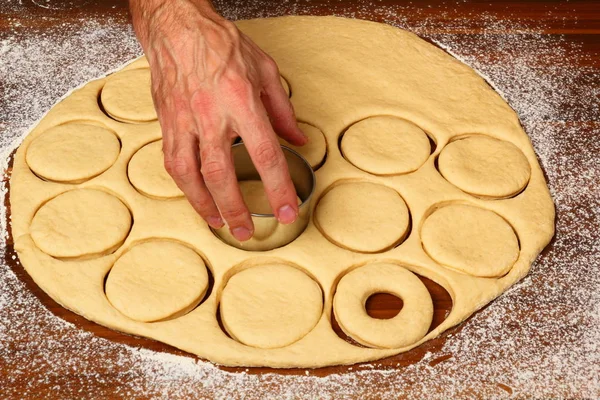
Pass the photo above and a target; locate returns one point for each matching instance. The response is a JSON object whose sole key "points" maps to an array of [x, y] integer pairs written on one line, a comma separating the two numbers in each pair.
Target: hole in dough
{"points": [[362, 216], [148, 175], [471, 240], [157, 280], [270, 306], [383, 305], [385, 145], [81, 223], [407, 327], [485, 167], [315, 150], [73, 152], [127, 97]]}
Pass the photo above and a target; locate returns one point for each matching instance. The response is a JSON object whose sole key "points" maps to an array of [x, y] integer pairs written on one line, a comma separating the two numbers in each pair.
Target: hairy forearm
{"points": [[145, 13]]}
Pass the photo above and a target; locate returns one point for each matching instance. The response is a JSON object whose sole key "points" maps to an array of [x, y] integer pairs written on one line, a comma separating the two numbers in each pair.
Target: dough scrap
{"points": [[315, 150], [157, 280], [363, 216], [79, 223], [470, 239], [411, 323], [127, 97], [484, 166], [73, 152], [386, 145], [148, 175], [270, 306]]}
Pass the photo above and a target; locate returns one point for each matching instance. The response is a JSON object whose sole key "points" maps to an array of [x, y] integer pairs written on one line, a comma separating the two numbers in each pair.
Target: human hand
{"points": [[211, 84]]}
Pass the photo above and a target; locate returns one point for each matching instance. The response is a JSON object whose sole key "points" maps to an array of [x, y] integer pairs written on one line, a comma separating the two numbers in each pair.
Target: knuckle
{"points": [[179, 167], [214, 171], [267, 155], [270, 66], [237, 213]]}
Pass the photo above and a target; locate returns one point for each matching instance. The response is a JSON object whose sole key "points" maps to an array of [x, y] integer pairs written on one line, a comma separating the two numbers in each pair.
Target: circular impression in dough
{"points": [[81, 223], [470, 239], [314, 151], [270, 306], [484, 166], [362, 216], [127, 97], [286, 85], [411, 323], [157, 280], [385, 145], [148, 175], [73, 152]]}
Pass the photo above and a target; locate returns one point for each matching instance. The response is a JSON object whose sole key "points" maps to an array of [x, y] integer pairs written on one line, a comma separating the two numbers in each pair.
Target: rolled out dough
{"points": [[277, 305]]}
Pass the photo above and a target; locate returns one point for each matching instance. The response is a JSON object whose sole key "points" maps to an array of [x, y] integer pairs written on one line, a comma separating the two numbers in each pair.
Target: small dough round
{"points": [[157, 280], [73, 152], [470, 239], [127, 97], [411, 323], [148, 175], [485, 167], [81, 223], [386, 145], [362, 216], [255, 197], [286, 85], [270, 306], [314, 151]]}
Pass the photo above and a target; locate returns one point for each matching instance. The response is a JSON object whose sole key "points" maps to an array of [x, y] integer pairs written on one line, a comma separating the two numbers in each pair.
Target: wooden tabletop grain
{"points": [[575, 21]]}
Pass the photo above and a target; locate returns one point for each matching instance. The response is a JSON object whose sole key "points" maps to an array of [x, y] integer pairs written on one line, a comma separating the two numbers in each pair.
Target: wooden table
{"points": [[577, 22]]}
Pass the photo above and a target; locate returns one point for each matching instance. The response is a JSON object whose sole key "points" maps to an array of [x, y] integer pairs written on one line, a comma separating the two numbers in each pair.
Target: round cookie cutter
{"points": [[268, 232]]}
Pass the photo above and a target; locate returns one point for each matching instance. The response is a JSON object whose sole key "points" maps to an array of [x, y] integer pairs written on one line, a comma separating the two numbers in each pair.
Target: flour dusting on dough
{"points": [[502, 351]]}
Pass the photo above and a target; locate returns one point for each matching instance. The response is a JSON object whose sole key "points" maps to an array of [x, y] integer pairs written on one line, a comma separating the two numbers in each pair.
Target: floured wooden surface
{"points": [[538, 339]]}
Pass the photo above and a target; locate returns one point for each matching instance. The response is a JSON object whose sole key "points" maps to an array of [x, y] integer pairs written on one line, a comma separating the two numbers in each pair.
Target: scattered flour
{"points": [[502, 352]]}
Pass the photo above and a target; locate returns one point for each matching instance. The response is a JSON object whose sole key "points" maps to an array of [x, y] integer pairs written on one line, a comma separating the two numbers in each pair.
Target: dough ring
{"points": [[411, 323], [73, 152], [485, 167], [471, 240], [126, 96], [157, 280], [81, 223], [148, 175], [270, 306]]}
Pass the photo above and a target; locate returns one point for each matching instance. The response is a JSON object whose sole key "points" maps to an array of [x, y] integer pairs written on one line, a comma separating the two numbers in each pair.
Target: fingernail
{"points": [[215, 222], [242, 234], [287, 215]]}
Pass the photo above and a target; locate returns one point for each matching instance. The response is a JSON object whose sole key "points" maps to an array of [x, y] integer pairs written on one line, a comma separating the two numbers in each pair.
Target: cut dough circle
{"points": [[315, 150], [148, 175], [411, 323], [470, 239], [270, 306], [127, 97], [73, 153], [484, 166], [157, 280], [385, 145], [80, 223], [362, 216]]}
